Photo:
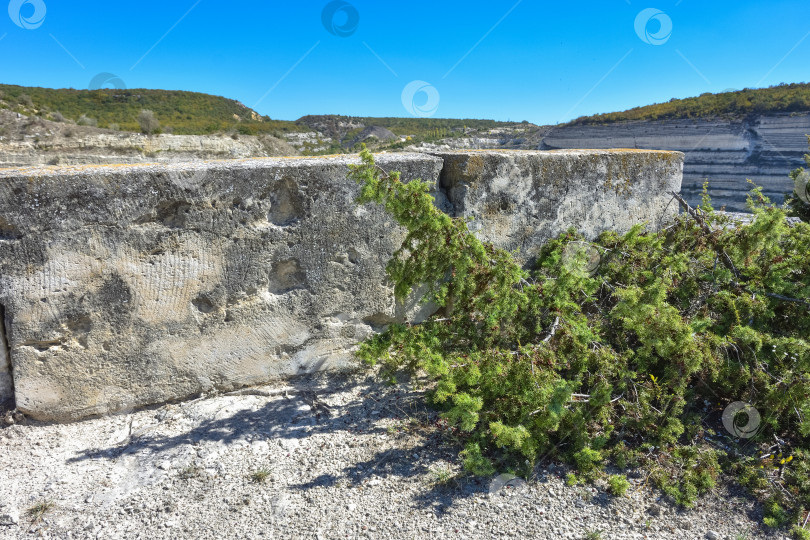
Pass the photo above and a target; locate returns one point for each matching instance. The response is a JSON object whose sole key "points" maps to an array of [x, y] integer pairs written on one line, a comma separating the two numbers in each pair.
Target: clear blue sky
{"points": [[533, 60]]}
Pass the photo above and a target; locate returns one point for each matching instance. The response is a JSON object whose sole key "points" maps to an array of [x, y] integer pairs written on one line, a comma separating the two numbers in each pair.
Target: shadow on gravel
{"points": [[412, 455], [411, 462], [307, 411], [284, 417]]}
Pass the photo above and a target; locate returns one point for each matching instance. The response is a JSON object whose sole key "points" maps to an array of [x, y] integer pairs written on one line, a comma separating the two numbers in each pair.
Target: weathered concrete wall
{"points": [[520, 199], [132, 285]]}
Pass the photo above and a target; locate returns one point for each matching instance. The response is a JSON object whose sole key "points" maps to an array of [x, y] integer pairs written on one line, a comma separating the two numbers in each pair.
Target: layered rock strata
{"points": [[727, 153]]}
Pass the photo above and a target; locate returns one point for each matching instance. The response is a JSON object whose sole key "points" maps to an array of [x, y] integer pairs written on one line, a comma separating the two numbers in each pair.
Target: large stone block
{"points": [[125, 286], [520, 199], [131, 285]]}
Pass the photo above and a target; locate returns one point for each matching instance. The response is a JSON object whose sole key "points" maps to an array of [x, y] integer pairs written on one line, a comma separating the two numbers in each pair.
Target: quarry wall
{"points": [[122, 286], [762, 148]]}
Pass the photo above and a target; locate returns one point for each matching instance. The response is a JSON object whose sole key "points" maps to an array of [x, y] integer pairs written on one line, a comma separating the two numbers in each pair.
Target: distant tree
{"points": [[148, 122], [799, 200], [85, 120], [58, 117]]}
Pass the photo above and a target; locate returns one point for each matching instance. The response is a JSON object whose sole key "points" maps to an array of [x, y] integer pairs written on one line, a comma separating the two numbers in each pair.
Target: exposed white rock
{"points": [[41, 142]]}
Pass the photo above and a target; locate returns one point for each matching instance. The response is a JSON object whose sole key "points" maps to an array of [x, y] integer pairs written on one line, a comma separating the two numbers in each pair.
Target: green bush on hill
{"points": [[632, 361], [148, 122], [738, 104]]}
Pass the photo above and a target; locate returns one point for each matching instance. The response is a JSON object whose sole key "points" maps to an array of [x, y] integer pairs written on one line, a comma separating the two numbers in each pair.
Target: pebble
{"points": [[10, 516]]}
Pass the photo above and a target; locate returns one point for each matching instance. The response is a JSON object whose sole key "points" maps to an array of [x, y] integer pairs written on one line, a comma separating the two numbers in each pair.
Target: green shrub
{"points": [[148, 122], [775, 515], [618, 484], [588, 461], [85, 120], [636, 357], [800, 533]]}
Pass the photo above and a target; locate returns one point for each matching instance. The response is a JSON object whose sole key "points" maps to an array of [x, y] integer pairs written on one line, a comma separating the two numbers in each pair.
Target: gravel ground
{"points": [[338, 456]]}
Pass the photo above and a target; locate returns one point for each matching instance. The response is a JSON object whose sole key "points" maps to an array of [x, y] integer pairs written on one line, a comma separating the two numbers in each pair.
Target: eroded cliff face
{"points": [[727, 153], [129, 285], [30, 141]]}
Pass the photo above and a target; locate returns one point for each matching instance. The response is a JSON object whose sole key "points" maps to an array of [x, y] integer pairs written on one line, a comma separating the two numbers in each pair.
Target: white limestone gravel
{"points": [[324, 456]]}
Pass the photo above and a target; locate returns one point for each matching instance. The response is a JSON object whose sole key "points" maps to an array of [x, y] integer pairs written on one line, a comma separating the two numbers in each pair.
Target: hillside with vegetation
{"points": [[179, 112], [784, 98], [346, 132], [195, 113]]}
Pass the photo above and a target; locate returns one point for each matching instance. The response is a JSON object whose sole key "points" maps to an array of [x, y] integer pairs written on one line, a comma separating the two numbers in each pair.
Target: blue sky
{"points": [[545, 62]]}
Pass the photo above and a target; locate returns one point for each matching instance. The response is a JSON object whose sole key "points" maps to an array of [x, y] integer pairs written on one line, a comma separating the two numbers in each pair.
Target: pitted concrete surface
{"points": [[138, 284]]}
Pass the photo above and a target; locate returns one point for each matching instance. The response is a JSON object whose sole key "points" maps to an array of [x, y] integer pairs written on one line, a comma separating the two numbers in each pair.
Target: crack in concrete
{"points": [[6, 367]]}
